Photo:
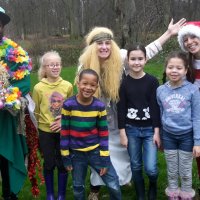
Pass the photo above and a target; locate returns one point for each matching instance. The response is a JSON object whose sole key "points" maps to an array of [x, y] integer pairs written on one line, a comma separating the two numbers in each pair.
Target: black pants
{"points": [[50, 149], [6, 193]]}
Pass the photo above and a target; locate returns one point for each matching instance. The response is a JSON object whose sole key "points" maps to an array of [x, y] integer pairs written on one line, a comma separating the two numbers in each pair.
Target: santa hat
{"points": [[191, 28], [4, 18]]}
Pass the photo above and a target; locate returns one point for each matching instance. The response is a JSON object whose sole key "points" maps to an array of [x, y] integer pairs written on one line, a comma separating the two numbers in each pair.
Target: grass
{"points": [[127, 191]]}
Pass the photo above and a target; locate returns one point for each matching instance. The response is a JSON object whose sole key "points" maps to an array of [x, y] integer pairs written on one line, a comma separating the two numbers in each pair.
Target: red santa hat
{"points": [[191, 28]]}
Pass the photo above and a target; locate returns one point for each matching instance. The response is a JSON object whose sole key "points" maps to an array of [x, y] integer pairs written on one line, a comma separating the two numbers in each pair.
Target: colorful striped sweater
{"points": [[84, 128]]}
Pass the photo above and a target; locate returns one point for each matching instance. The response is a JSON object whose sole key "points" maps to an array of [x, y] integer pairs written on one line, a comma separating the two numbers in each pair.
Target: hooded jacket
{"points": [[49, 98], [180, 109]]}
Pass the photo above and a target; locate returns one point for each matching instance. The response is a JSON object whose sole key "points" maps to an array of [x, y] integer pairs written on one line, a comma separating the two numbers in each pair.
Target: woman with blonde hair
{"points": [[103, 55]]}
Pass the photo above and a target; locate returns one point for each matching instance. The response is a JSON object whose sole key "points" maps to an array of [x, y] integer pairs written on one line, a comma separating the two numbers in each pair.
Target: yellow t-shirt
{"points": [[49, 98]]}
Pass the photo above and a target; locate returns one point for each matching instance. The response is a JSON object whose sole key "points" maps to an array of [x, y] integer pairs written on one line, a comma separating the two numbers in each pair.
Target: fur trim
{"points": [[189, 29], [187, 195], [172, 193]]}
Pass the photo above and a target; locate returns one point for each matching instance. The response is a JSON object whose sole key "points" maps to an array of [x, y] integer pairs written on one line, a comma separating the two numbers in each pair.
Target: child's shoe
{"points": [[172, 194], [187, 195]]}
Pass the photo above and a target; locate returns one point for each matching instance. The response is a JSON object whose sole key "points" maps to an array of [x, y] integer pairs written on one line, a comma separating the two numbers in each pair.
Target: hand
{"points": [[69, 168], [103, 171], [123, 138], [56, 125], [196, 151], [174, 28], [156, 139]]}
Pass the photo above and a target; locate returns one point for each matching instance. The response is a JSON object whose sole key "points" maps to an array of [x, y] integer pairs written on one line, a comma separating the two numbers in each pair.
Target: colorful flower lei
{"points": [[12, 52]]}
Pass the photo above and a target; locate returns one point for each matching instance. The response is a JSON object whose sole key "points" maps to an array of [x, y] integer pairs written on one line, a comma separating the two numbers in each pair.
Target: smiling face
{"points": [[103, 49], [87, 86], [176, 71], [192, 44], [136, 61], [52, 68]]}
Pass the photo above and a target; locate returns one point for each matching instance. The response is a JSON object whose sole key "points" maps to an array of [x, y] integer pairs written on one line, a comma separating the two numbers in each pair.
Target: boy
{"points": [[84, 137]]}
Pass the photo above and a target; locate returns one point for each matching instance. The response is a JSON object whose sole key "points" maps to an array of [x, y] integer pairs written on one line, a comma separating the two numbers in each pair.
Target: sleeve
{"points": [[195, 117], [36, 99], [123, 53], [70, 91], [65, 136], [24, 85], [154, 107], [152, 49], [159, 102], [21, 69], [103, 135], [122, 107]]}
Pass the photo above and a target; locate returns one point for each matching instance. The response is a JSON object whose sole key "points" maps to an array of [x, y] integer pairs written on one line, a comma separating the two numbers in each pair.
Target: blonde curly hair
{"points": [[110, 71]]}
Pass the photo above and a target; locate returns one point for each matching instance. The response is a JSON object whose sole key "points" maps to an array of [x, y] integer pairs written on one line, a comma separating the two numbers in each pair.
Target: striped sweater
{"points": [[84, 128]]}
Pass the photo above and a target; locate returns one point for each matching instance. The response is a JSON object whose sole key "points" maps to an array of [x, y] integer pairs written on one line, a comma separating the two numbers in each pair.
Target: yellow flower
{"points": [[18, 75], [12, 43]]}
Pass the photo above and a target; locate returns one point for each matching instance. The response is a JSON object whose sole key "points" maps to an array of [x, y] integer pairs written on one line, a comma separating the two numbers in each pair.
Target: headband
{"points": [[100, 37]]}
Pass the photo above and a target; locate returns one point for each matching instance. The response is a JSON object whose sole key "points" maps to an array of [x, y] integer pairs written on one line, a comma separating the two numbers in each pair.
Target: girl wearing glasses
{"points": [[49, 95]]}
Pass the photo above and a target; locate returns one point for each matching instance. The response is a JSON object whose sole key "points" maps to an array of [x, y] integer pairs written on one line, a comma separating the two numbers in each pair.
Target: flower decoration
{"points": [[12, 52], [9, 95]]}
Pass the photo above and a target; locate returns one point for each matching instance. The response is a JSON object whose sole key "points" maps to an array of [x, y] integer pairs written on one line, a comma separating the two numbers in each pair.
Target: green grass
{"points": [[128, 192]]}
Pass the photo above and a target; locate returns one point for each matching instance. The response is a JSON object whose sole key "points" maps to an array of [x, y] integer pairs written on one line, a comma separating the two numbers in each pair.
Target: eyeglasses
{"points": [[52, 65]]}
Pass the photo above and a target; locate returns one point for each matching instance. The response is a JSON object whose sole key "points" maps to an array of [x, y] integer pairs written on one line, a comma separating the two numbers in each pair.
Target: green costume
{"points": [[12, 143]]}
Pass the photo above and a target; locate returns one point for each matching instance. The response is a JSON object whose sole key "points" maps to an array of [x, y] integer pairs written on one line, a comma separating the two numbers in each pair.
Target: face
{"points": [[103, 49], [56, 102], [136, 61], [176, 71], [87, 86], [53, 68], [1, 30], [192, 44]]}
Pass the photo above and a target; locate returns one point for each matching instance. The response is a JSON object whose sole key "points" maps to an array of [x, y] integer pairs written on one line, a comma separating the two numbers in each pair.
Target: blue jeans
{"points": [[182, 142], [80, 162], [142, 149]]}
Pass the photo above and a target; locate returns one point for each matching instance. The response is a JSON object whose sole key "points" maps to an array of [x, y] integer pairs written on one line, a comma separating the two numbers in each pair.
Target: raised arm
{"points": [[156, 46], [171, 31]]}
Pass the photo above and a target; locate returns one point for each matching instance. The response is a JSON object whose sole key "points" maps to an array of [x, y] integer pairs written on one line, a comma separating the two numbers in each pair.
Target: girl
{"points": [[139, 121], [179, 104], [84, 137], [49, 95], [189, 41]]}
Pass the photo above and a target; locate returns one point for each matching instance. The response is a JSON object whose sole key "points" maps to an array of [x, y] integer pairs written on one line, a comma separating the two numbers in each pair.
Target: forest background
{"points": [[61, 24]]}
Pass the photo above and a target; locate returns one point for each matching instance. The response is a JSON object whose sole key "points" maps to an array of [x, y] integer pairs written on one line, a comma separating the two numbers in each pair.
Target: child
{"points": [[84, 137], [180, 108], [49, 95], [139, 121]]}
